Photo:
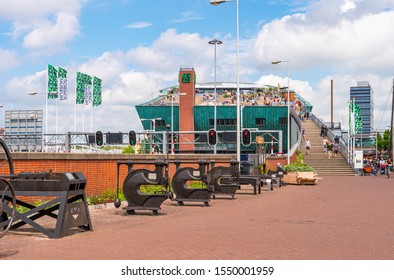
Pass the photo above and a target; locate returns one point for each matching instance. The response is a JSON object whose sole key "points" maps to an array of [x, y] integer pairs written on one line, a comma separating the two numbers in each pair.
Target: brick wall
{"points": [[100, 170]]}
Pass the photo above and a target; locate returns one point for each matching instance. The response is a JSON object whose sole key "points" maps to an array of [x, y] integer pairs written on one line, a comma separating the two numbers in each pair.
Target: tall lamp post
{"points": [[288, 105], [217, 2], [45, 115], [215, 42]]}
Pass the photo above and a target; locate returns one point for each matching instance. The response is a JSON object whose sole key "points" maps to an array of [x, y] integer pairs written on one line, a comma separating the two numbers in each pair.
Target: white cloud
{"points": [[9, 59], [45, 26], [347, 43], [187, 16], [138, 25], [52, 36], [28, 11], [347, 6]]}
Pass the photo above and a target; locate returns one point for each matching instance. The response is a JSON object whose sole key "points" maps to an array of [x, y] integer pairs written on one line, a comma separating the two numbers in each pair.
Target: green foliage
{"points": [[108, 195], [23, 209], [298, 165], [384, 142], [153, 189], [128, 150], [298, 168], [196, 185]]}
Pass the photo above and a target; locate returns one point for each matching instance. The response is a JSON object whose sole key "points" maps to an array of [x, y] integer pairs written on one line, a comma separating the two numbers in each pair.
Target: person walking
{"points": [[303, 132], [307, 146], [329, 148], [336, 148], [324, 145], [389, 166]]}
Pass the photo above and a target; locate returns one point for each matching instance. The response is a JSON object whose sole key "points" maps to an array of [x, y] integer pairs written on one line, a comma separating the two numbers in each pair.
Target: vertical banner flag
{"points": [[96, 91], [88, 89], [80, 89], [355, 119], [83, 89], [62, 76], [52, 88]]}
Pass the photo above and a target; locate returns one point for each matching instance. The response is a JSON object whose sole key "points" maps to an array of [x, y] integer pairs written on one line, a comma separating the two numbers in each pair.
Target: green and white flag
{"points": [[88, 89], [83, 89], [62, 77], [97, 89], [355, 119], [52, 87]]}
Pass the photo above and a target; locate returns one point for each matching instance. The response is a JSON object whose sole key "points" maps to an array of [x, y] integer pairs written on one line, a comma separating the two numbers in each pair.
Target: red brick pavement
{"points": [[339, 218]]}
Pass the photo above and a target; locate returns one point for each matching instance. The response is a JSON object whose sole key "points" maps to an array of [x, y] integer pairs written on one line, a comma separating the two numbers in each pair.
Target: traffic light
{"points": [[246, 137], [212, 137], [99, 138], [132, 138]]}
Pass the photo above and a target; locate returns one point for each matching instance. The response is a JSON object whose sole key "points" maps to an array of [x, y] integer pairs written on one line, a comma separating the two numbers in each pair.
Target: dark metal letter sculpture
{"points": [[183, 192], [138, 200]]}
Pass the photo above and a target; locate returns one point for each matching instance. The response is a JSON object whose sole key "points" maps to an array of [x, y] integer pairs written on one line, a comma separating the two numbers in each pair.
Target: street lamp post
{"points": [[215, 42], [288, 105], [217, 2], [45, 115]]}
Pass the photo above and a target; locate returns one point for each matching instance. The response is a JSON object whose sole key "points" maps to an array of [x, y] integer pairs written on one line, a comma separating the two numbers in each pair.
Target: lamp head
{"points": [[217, 2]]}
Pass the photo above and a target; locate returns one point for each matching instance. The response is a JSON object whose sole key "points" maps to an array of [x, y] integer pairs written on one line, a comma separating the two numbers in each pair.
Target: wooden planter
{"points": [[300, 178]]}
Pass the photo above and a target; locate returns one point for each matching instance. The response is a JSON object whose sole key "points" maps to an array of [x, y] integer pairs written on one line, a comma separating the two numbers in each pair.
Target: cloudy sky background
{"points": [[138, 46]]}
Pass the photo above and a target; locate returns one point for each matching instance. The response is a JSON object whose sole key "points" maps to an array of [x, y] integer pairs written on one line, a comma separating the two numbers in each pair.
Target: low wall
{"points": [[100, 170]]}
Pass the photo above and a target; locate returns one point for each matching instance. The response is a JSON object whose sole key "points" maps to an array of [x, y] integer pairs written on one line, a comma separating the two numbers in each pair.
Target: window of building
{"points": [[160, 123], [260, 121], [222, 122], [283, 121]]}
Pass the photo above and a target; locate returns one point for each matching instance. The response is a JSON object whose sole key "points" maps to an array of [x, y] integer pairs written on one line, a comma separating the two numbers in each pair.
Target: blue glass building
{"points": [[362, 94]]}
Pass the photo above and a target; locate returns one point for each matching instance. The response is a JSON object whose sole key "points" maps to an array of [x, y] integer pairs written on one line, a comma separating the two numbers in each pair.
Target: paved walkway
{"points": [[339, 218]]}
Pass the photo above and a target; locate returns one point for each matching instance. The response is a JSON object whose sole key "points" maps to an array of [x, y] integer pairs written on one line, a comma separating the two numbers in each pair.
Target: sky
{"points": [[137, 48]]}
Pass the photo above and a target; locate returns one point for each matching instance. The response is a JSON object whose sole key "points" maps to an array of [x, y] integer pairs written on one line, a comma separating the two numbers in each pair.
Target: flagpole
{"points": [[56, 115], [91, 118], [75, 105], [56, 124], [46, 113]]}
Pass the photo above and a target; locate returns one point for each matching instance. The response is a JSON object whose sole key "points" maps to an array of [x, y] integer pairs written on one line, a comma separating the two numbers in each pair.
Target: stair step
{"points": [[318, 160]]}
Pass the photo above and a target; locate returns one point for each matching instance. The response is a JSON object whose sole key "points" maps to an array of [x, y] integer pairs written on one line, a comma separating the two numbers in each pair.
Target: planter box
{"points": [[300, 178]]}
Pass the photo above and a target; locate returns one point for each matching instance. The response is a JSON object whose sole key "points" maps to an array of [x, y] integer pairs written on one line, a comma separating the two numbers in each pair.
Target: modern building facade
{"points": [[23, 130], [190, 108], [362, 94]]}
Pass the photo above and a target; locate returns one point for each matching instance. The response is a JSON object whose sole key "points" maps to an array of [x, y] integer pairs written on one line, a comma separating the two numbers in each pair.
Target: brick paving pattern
{"points": [[339, 218]]}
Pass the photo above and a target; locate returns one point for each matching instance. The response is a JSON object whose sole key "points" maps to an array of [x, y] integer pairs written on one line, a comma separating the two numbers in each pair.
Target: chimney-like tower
{"points": [[187, 84]]}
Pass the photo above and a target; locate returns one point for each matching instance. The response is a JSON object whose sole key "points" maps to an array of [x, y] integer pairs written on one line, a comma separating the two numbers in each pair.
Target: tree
{"points": [[384, 142]]}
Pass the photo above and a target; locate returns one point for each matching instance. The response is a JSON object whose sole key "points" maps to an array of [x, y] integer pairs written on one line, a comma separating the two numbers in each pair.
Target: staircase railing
{"points": [[344, 148], [295, 132]]}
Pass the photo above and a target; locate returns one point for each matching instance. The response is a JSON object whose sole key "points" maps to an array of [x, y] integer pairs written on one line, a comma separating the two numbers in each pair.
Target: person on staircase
{"points": [[324, 145], [336, 148], [329, 148], [307, 146]]}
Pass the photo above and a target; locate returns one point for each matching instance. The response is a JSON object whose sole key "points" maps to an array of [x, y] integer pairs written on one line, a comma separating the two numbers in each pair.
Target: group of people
{"points": [[376, 166], [330, 147]]}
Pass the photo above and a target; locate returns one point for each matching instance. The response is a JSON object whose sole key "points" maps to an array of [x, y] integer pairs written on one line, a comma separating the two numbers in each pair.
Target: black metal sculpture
{"points": [[7, 194], [224, 179], [185, 193], [139, 200]]}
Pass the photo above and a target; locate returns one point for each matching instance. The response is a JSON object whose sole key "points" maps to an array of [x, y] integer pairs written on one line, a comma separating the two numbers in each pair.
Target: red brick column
{"points": [[186, 105]]}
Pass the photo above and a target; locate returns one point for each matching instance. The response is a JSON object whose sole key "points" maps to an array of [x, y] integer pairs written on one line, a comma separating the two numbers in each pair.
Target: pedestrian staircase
{"points": [[323, 165]]}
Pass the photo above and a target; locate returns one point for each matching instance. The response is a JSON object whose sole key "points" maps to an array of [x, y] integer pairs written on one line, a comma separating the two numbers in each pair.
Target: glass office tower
{"points": [[362, 94]]}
